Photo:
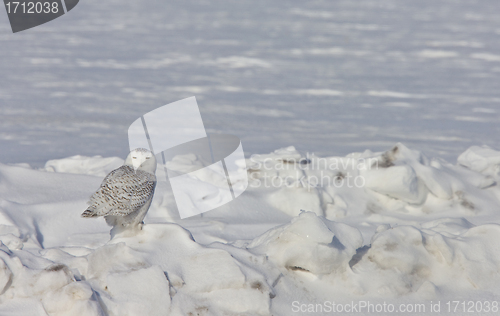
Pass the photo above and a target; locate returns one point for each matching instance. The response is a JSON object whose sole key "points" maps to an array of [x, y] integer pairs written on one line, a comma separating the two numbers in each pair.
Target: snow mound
{"points": [[309, 243], [96, 166], [407, 259], [203, 276], [369, 225], [25, 275], [400, 180], [484, 160]]}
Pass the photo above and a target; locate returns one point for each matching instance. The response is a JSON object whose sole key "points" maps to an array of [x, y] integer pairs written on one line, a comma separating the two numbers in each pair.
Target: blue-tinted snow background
{"points": [[329, 77]]}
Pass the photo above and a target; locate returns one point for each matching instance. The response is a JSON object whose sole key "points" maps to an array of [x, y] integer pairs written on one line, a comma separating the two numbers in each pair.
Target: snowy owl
{"points": [[126, 193]]}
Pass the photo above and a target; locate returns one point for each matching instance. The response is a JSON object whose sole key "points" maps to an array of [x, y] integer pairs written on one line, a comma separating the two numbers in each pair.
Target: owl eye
{"points": [[148, 157], [134, 157]]}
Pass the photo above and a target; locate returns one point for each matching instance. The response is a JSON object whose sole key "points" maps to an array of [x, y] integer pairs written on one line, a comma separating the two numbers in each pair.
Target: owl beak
{"points": [[136, 164]]}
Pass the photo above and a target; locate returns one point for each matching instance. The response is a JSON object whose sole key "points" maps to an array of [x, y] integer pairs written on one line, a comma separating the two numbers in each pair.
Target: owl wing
{"points": [[123, 191]]}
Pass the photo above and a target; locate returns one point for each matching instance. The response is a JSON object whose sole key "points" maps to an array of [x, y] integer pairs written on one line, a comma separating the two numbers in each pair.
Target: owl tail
{"points": [[89, 213]]}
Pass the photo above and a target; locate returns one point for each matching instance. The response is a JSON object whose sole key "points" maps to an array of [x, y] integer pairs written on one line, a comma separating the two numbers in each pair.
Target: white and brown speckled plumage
{"points": [[122, 192], [126, 193]]}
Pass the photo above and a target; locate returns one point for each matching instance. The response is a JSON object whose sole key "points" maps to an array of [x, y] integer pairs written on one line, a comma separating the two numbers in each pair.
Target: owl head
{"points": [[141, 159]]}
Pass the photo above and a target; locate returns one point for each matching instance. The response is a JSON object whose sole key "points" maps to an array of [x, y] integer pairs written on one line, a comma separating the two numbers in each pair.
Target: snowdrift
{"points": [[396, 226]]}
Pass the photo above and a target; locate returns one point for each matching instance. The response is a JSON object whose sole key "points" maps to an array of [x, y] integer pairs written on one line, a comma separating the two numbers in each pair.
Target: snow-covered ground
{"points": [[388, 195], [388, 228]]}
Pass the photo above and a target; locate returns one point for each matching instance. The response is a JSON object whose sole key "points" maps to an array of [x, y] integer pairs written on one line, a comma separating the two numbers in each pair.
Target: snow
{"points": [[370, 134], [483, 159], [309, 244], [329, 77], [418, 229], [96, 166]]}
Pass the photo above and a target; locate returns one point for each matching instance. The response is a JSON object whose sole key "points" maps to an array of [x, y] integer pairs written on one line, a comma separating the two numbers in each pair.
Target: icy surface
{"points": [[420, 229], [330, 77]]}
